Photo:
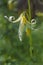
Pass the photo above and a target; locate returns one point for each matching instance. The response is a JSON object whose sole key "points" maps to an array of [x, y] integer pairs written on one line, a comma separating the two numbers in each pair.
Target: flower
{"points": [[24, 25]]}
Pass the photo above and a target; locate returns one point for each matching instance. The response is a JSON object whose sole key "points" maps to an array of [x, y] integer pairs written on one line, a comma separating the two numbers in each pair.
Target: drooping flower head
{"points": [[24, 25]]}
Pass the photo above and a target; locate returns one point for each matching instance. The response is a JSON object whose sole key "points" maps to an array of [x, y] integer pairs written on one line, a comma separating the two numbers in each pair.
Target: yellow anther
{"points": [[24, 20]]}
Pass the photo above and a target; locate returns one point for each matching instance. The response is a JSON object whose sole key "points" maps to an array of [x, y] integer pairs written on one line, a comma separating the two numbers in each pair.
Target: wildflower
{"points": [[24, 25]]}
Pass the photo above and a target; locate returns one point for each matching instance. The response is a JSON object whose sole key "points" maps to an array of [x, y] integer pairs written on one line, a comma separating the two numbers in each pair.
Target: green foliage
{"points": [[14, 52]]}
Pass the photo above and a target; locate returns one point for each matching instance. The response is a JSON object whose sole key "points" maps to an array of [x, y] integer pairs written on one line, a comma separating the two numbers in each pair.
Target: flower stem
{"points": [[29, 9], [30, 37], [30, 41]]}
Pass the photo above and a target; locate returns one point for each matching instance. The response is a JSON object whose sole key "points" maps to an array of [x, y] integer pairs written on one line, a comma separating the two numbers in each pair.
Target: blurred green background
{"points": [[14, 52]]}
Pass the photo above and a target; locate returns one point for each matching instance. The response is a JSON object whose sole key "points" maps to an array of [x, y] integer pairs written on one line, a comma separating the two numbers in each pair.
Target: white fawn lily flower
{"points": [[24, 24]]}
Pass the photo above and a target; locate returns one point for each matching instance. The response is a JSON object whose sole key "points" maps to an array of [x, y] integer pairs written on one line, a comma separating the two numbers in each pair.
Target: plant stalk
{"points": [[29, 18]]}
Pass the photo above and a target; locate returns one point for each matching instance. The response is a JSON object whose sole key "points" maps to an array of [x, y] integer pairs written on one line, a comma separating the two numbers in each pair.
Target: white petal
{"points": [[10, 18], [21, 30], [33, 21], [6, 17]]}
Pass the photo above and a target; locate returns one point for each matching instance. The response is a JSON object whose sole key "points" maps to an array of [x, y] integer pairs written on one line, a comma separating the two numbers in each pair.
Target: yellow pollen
{"points": [[24, 19]]}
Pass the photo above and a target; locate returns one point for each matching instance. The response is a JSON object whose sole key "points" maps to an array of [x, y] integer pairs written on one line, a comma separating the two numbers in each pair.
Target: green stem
{"points": [[29, 9], [30, 46], [29, 18]]}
